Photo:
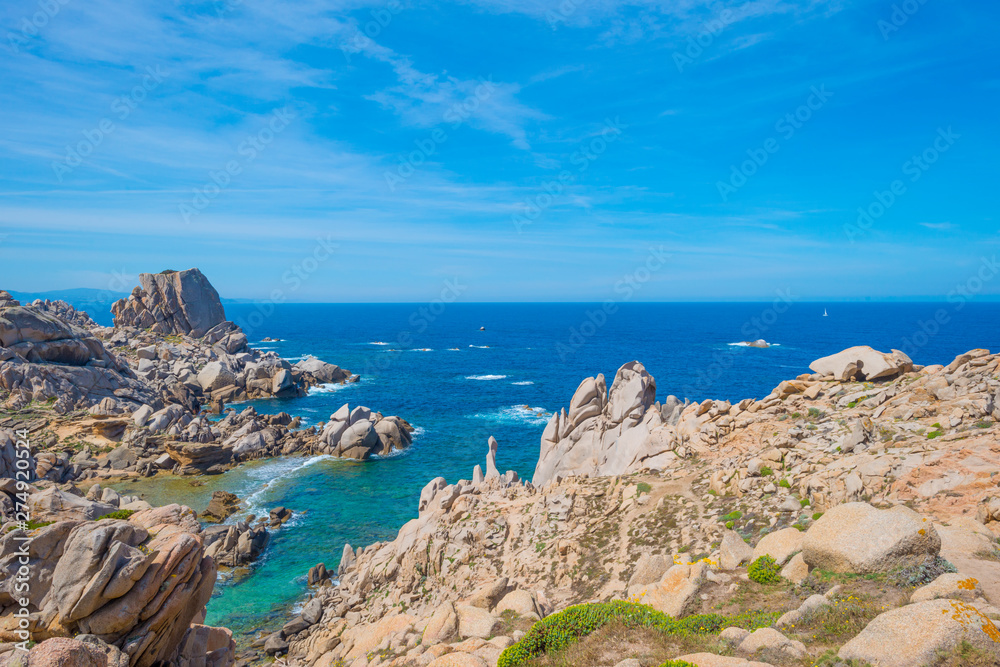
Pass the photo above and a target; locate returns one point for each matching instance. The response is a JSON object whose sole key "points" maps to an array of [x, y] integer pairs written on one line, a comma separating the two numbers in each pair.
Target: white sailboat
{"points": [[824, 313]]}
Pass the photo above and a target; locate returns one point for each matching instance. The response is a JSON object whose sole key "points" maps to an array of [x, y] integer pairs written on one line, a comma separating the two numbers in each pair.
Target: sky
{"points": [[559, 150]]}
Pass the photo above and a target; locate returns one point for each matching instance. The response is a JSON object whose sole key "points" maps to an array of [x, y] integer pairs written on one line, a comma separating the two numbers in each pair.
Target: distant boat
{"points": [[824, 313], [482, 328]]}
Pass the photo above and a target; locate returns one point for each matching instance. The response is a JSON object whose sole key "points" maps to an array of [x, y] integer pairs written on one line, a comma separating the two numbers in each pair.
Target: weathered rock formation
{"points": [[171, 302], [612, 433], [43, 358], [863, 363], [359, 434], [136, 585]]}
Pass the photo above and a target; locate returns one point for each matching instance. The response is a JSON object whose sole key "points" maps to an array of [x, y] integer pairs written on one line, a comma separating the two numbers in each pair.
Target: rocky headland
{"points": [[850, 517], [847, 518], [91, 577]]}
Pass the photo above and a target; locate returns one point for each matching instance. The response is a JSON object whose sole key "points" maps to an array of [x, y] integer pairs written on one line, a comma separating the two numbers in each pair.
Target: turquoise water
{"points": [[459, 385]]}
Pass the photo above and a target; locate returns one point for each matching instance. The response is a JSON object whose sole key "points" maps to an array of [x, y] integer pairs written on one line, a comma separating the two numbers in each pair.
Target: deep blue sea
{"points": [[431, 365]]}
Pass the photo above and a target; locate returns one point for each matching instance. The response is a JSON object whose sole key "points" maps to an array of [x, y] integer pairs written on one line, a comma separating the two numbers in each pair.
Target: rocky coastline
{"points": [[822, 522]]}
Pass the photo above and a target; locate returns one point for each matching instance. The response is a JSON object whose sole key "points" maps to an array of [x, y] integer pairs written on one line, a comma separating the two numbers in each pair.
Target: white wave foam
{"points": [[744, 343], [270, 474], [453, 349], [481, 347], [516, 414], [523, 382], [485, 377], [377, 342], [417, 430], [329, 388], [422, 349]]}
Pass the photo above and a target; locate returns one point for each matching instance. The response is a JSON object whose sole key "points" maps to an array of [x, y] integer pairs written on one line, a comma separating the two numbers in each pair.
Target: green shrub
{"points": [[678, 663], [117, 514], [804, 502], [784, 484], [30, 525], [732, 516], [643, 487], [561, 629], [817, 515], [730, 524], [764, 570], [765, 471]]}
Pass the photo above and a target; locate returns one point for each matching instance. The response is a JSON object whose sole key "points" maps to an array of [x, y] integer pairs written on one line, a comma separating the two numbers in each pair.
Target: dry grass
{"points": [[967, 655], [614, 642]]}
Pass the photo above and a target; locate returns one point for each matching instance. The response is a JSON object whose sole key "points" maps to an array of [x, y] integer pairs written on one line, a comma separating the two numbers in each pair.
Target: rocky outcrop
{"points": [[360, 434], [610, 433], [782, 476], [918, 633], [863, 363], [136, 585], [43, 358], [171, 302], [65, 312]]}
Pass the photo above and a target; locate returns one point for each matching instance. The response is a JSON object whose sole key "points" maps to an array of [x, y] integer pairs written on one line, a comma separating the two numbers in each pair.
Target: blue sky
{"points": [[353, 151]]}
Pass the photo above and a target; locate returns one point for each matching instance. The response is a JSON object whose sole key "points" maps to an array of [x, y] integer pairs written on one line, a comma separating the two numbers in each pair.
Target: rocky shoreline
{"points": [[820, 523], [84, 405]]}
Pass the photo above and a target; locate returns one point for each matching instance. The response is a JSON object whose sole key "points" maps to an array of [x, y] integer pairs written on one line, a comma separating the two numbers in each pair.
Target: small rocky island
{"points": [[820, 524]]}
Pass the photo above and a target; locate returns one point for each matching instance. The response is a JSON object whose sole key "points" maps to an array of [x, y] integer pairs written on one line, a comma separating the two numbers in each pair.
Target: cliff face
{"points": [[171, 302]]}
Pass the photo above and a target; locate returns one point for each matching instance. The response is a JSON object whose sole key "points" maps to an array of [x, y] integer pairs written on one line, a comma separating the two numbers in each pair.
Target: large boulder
{"points": [[171, 302], [856, 537], [917, 633], [321, 371], [674, 591], [215, 375], [863, 363]]}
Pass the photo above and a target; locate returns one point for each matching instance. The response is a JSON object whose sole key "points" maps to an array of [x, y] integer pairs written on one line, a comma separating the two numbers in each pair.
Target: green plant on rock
{"points": [[117, 514], [765, 471], [678, 663], [784, 484], [558, 631], [764, 570], [643, 487]]}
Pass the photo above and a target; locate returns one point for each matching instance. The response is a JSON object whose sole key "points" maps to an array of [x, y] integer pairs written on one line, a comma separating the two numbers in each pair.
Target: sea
{"points": [[461, 372]]}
